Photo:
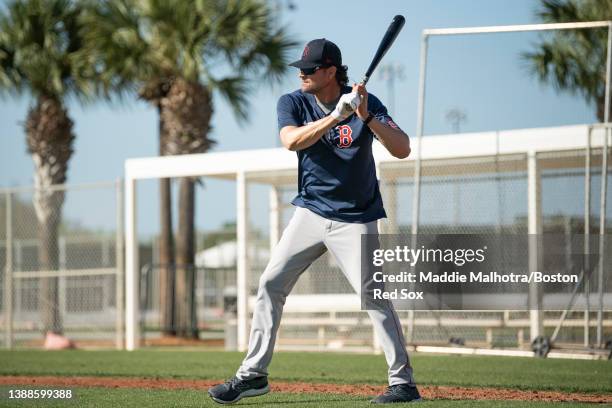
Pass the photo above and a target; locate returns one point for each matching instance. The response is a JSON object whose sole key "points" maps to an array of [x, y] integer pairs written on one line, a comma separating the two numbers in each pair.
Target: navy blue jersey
{"points": [[336, 175]]}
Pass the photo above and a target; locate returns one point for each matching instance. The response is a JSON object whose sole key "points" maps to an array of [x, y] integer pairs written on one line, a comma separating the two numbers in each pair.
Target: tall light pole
{"points": [[455, 117]]}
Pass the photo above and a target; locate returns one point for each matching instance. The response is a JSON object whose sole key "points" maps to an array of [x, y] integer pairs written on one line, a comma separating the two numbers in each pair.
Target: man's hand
{"points": [[346, 106], [362, 112], [394, 139]]}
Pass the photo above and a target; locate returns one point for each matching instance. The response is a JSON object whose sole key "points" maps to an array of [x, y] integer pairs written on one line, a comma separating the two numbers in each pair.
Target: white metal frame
{"points": [[533, 189], [244, 166]]}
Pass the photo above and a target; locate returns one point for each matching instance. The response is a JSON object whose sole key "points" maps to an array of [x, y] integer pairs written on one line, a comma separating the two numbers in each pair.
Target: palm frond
{"points": [[42, 37], [558, 11], [269, 56], [116, 51], [143, 41], [571, 60], [11, 80], [235, 91]]}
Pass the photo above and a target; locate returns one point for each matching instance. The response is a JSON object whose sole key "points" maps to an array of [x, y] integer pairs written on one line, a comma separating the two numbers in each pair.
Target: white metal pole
{"points": [[515, 28], [61, 280], [604, 191], [500, 198], [383, 228], [416, 193], [416, 197], [8, 273], [379, 223], [602, 238], [391, 209], [242, 278], [389, 193], [587, 237], [119, 264], [536, 317], [17, 283], [105, 243], [534, 216], [132, 312], [376, 347]]}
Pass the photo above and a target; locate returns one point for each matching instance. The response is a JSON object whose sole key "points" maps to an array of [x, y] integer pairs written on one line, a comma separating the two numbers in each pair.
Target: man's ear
{"points": [[332, 72]]}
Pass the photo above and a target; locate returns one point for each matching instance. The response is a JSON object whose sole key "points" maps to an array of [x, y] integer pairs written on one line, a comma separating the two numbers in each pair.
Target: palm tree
{"points": [[180, 54], [574, 60], [39, 42], [153, 93]]}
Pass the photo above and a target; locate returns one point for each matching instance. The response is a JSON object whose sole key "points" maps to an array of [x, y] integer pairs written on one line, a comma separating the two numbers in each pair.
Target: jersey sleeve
{"points": [[288, 112], [380, 112]]}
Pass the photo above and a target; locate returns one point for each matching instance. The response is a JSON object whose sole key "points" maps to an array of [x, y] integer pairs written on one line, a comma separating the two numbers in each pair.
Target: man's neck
{"points": [[330, 93]]}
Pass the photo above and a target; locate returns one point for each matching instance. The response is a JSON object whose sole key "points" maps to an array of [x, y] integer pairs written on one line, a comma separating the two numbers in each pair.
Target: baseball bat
{"points": [[394, 28]]}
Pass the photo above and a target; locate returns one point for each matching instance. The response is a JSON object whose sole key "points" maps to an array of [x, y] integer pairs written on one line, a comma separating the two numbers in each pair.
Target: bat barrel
{"points": [[394, 28]]}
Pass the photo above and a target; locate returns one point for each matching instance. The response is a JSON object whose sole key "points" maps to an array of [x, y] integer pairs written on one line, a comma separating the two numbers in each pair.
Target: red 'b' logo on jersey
{"points": [[345, 133]]}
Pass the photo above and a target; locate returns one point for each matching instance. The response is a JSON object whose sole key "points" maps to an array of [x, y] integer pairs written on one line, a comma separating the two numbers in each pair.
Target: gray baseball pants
{"points": [[305, 239]]}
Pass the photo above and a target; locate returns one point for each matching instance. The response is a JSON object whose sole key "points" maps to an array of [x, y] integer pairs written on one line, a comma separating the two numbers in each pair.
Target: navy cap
{"points": [[318, 53]]}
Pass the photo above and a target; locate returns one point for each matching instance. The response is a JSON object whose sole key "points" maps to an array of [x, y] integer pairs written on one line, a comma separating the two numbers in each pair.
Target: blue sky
{"points": [[482, 75]]}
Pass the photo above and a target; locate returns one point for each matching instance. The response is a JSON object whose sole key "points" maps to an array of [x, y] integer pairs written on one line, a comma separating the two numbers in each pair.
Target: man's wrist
{"points": [[368, 119], [335, 119]]}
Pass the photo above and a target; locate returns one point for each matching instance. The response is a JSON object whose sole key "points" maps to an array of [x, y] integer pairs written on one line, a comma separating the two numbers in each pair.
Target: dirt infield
{"points": [[428, 392]]}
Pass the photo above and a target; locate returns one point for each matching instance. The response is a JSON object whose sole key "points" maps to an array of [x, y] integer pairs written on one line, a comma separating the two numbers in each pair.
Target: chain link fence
{"points": [[483, 195], [486, 195], [61, 257]]}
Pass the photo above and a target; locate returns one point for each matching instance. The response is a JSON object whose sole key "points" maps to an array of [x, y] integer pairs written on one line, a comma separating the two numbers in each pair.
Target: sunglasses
{"points": [[310, 71]]}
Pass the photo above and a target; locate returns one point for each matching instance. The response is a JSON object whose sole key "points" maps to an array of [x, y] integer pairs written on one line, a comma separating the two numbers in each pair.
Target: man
{"points": [[331, 127]]}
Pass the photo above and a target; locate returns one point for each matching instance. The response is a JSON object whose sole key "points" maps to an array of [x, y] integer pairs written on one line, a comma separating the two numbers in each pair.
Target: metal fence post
{"points": [[534, 208], [602, 236], [132, 312], [17, 265], [416, 198], [587, 237], [604, 189], [61, 280], [8, 274], [119, 264]]}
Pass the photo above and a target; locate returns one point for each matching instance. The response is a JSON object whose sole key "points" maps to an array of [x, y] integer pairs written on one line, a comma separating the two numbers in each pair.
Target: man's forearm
{"points": [[299, 138], [394, 140]]}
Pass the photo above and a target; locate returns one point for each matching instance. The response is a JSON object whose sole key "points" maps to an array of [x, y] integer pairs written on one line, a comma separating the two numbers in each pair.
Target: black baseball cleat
{"points": [[398, 393], [235, 389]]}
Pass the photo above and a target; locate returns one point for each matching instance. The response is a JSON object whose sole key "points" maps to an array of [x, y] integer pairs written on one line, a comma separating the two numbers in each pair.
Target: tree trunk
{"points": [[166, 245], [153, 92], [185, 254], [166, 259], [601, 108], [48, 258], [186, 111], [49, 139]]}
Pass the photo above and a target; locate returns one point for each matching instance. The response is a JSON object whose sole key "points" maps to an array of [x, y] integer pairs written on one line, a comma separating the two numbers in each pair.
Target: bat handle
{"points": [[365, 80]]}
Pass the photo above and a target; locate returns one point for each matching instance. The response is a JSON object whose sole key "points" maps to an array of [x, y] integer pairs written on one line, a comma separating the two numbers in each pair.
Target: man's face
{"points": [[317, 80]]}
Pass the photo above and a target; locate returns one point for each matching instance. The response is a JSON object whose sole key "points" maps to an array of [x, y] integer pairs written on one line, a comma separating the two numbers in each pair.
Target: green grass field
{"points": [[100, 397], [469, 371]]}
